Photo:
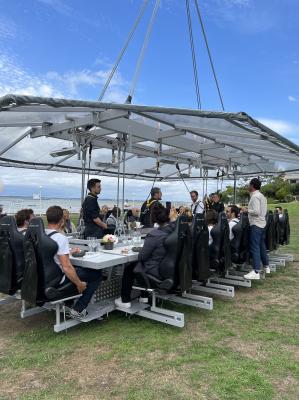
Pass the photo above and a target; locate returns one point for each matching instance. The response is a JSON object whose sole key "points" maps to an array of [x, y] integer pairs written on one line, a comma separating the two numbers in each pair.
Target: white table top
{"points": [[104, 259]]}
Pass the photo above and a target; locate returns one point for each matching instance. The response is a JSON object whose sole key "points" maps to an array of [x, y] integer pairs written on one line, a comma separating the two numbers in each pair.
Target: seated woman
{"points": [[211, 220], [112, 219], [151, 255], [68, 226]]}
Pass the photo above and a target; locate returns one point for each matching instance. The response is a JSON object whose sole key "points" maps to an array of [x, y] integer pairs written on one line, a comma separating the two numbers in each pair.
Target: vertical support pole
{"points": [[124, 171], [57, 307], [83, 164], [235, 189], [118, 174]]}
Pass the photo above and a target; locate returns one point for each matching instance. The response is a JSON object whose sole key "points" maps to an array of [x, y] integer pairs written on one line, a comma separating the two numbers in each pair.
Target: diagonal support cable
{"points": [[209, 52], [193, 56], [143, 49], [140, 15]]}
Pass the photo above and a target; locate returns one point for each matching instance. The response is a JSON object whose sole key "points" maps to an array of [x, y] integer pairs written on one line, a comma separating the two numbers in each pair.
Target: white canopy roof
{"points": [[153, 141]]}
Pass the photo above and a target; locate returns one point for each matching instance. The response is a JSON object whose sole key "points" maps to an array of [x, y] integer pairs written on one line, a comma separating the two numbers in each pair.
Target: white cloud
{"points": [[71, 84], [284, 128], [292, 98]]}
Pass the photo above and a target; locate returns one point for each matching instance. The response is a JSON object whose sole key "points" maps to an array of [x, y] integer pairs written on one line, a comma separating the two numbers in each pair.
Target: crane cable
{"points": [[139, 16], [143, 49], [193, 56], [209, 53]]}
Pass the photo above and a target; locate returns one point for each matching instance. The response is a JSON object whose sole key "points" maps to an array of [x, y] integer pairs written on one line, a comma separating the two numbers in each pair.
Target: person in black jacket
{"points": [[145, 213], [94, 226], [217, 205], [151, 255]]}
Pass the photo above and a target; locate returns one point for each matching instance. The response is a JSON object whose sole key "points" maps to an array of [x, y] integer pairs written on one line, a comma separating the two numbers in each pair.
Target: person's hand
{"points": [[75, 250], [81, 287]]}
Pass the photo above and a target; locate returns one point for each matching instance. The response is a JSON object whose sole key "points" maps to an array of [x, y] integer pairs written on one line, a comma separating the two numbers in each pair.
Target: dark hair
{"points": [[211, 217], [21, 217], [194, 191], [154, 191], [234, 209], [159, 214], [54, 214], [280, 208], [115, 210], [30, 211], [256, 183], [92, 182]]}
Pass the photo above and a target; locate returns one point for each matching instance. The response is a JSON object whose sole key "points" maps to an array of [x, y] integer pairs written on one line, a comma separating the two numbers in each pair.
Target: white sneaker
{"points": [[76, 314], [143, 300], [252, 275], [120, 304], [267, 269]]}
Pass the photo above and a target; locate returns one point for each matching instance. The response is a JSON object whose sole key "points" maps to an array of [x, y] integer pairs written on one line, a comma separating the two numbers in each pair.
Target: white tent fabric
{"points": [[153, 141]]}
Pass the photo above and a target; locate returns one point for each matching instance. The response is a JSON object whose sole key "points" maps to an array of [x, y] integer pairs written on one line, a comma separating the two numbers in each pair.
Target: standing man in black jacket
{"points": [[145, 214], [94, 226]]}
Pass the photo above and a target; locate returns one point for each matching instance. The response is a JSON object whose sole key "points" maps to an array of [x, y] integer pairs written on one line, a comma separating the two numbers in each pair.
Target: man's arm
{"points": [[71, 273], [100, 223], [254, 208], [147, 249]]}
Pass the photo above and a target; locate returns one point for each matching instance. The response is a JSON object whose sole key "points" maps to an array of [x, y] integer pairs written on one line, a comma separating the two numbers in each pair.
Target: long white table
{"points": [[103, 258]]}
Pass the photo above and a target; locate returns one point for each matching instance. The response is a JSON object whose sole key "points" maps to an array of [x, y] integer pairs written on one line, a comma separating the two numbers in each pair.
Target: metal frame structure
{"points": [[118, 134]]}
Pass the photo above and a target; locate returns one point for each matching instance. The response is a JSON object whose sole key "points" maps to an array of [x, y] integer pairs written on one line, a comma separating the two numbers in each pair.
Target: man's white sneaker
{"points": [[267, 269], [252, 275], [120, 304], [143, 300]]}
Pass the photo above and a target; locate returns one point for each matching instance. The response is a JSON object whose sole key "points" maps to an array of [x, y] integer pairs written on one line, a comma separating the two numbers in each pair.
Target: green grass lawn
{"points": [[247, 348]]}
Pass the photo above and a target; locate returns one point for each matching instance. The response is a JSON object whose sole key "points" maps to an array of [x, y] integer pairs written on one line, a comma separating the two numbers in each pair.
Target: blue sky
{"points": [[66, 48]]}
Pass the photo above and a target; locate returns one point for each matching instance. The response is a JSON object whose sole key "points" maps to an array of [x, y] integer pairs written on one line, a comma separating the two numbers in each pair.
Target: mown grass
{"points": [[247, 348]]}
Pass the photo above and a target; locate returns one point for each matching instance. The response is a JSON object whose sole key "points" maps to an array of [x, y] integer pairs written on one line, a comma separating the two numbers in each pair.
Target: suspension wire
{"points": [[140, 15], [143, 49], [89, 162], [209, 52], [123, 173], [181, 176], [193, 56]]}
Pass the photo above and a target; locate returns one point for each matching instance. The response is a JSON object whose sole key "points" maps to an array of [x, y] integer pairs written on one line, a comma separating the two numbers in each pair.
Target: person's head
{"points": [[279, 210], [1, 209], [211, 217], [94, 186], [135, 212], [188, 213], [31, 212], [194, 195], [104, 210], [181, 210], [22, 218], [254, 184], [54, 216], [66, 214], [215, 197], [159, 214], [232, 211], [116, 212], [156, 193]]}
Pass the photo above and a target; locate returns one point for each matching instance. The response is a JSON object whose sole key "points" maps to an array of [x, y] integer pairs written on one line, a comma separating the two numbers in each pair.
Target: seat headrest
{"points": [[36, 226], [8, 223]]}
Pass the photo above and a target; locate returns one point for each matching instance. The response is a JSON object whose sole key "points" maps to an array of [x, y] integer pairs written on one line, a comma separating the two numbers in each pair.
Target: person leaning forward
{"points": [[145, 213], [94, 226]]}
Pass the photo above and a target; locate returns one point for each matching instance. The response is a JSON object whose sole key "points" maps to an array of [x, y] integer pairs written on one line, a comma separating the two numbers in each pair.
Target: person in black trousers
{"points": [[150, 256], [94, 226]]}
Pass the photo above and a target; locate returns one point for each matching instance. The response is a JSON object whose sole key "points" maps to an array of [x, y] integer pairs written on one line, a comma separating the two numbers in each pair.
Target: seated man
{"points": [[151, 255], [279, 211], [86, 280], [232, 213], [22, 220]]}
